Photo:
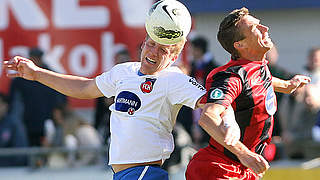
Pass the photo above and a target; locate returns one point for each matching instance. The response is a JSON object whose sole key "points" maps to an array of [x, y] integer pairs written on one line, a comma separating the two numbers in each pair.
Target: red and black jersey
{"points": [[246, 85]]}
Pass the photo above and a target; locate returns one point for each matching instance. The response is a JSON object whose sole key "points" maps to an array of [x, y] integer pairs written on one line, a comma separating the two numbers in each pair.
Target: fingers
{"points": [[11, 67], [12, 61], [302, 79], [15, 61], [299, 81], [261, 174], [261, 165], [305, 80], [255, 162], [13, 75], [15, 66], [8, 63], [11, 64]]}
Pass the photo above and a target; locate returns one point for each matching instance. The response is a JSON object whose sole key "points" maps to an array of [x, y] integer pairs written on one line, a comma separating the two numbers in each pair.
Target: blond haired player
{"points": [[148, 94]]}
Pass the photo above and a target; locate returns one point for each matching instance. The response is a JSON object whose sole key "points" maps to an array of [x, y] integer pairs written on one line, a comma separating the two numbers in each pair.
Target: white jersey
{"points": [[145, 110]]}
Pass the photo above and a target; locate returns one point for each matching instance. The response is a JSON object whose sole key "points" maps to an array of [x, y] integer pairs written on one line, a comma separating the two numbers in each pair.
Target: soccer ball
{"points": [[168, 22]]}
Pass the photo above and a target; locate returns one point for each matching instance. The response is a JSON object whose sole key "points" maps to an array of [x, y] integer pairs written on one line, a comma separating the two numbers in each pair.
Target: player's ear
{"points": [[174, 58], [237, 45]]}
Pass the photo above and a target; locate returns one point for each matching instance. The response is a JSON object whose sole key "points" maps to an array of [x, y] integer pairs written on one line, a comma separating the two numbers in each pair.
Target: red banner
{"points": [[77, 36]]}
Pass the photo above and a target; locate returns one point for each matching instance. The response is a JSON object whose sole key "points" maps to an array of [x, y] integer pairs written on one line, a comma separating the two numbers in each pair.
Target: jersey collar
{"points": [[245, 61]]}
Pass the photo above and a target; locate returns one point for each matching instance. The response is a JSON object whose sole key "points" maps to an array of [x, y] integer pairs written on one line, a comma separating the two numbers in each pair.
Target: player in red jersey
{"points": [[246, 84]]}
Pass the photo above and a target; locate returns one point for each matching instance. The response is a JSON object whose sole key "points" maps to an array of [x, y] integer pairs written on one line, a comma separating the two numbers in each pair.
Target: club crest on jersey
{"points": [[131, 111], [147, 86], [127, 102], [271, 101], [216, 94]]}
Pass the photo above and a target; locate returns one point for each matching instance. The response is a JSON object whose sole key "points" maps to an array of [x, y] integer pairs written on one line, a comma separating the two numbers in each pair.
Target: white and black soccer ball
{"points": [[168, 22]]}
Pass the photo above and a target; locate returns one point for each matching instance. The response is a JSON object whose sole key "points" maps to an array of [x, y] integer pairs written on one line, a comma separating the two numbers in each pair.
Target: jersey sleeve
{"points": [[223, 88], [106, 83], [185, 90]]}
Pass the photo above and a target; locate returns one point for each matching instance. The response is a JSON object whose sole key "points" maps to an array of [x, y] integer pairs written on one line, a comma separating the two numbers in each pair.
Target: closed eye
{"points": [[164, 51], [151, 44], [253, 27]]}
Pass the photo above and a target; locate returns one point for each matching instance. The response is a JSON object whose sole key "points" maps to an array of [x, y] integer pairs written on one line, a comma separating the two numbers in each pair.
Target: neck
{"points": [[253, 57], [253, 54]]}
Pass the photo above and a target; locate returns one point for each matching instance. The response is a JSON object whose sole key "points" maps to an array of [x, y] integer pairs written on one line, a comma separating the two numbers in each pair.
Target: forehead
{"points": [[249, 20], [149, 40]]}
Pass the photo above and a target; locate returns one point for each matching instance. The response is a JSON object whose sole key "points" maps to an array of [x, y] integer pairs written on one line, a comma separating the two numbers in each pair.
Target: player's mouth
{"points": [[151, 61], [265, 40], [266, 37]]}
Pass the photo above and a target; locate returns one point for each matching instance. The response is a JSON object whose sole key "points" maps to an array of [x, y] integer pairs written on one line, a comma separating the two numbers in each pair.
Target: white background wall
{"points": [[293, 31]]}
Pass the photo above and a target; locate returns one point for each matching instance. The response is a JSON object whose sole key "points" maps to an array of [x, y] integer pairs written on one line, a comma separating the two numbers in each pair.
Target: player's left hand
{"points": [[254, 161], [298, 81]]}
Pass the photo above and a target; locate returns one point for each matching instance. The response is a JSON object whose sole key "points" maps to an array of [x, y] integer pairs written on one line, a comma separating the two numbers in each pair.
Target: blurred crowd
{"points": [[33, 115]]}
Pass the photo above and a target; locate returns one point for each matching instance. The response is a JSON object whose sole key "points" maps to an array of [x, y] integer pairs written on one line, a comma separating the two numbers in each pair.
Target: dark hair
{"points": [[201, 43], [229, 31], [4, 97]]}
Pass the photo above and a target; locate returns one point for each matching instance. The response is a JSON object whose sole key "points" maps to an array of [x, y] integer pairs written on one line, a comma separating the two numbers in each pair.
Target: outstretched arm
{"points": [[230, 126], [74, 86], [212, 123], [289, 86]]}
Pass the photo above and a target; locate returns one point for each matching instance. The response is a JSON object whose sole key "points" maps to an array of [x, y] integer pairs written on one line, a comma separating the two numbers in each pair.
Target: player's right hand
{"points": [[255, 162], [21, 67]]}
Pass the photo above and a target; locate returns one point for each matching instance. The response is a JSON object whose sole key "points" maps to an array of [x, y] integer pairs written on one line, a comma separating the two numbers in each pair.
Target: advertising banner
{"points": [[78, 37], [205, 6]]}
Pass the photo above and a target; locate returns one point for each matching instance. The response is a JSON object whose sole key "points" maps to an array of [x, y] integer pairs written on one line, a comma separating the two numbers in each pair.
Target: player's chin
{"points": [[267, 47]]}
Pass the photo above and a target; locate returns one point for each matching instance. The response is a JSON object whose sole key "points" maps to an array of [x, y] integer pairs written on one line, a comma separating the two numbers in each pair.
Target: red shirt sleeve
{"points": [[222, 88]]}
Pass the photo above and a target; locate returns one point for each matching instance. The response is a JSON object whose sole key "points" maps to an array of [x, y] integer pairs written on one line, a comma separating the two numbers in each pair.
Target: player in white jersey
{"points": [[148, 96], [145, 107]]}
